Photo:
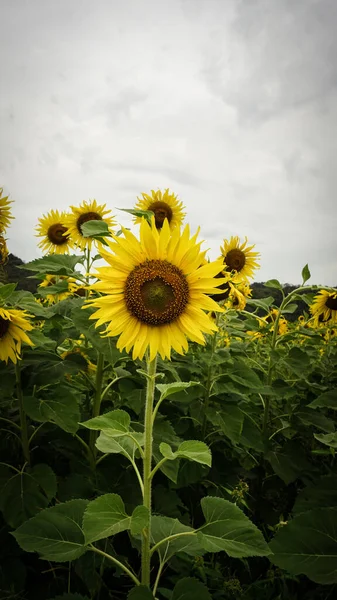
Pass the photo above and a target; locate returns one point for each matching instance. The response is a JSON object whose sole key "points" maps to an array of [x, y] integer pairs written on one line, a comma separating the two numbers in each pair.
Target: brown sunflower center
{"points": [[56, 234], [88, 216], [331, 302], [4, 326], [161, 211], [235, 259], [80, 292], [156, 292]]}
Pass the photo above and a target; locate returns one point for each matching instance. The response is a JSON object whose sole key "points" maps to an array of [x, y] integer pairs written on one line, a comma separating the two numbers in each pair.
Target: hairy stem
{"points": [[209, 380], [23, 420], [117, 563], [147, 464], [97, 403]]}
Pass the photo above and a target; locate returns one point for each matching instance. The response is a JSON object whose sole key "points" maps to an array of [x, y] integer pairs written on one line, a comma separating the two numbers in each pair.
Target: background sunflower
{"points": [[239, 259], [164, 205], [156, 291], [5, 212], [13, 325], [51, 228], [87, 211], [324, 306]]}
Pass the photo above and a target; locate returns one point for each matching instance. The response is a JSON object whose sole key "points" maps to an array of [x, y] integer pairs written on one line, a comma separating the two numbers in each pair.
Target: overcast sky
{"points": [[232, 104]]}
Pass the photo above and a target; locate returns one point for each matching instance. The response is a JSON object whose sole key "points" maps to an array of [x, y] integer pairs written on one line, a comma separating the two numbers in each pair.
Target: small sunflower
{"points": [[5, 211], [3, 251], [155, 292], [87, 211], [13, 327], [239, 259], [164, 205], [78, 290], [51, 280], [324, 307], [51, 228]]}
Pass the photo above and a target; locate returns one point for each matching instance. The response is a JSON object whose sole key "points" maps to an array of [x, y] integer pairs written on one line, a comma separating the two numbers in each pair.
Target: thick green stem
{"points": [[147, 466], [209, 380], [97, 403], [87, 276], [23, 420]]}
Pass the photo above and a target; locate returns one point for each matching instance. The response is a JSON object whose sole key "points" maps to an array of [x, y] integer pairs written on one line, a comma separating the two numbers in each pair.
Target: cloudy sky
{"points": [[229, 103]]}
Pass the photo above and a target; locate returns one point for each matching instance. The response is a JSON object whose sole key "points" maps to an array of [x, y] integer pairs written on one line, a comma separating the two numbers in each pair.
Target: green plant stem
{"points": [[209, 381], [147, 464], [12, 423], [170, 538], [23, 420], [116, 562], [97, 403], [156, 583], [87, 276]]}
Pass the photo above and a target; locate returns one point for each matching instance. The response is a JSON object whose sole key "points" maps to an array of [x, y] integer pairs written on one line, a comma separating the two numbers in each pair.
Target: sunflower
{"points": [[5, 211], [87, 211], [78, 290], [13, 325], [155, 291], [324, 307], [3, 251], [51, 280], [51, 228], [164, 205], [239, 259]]}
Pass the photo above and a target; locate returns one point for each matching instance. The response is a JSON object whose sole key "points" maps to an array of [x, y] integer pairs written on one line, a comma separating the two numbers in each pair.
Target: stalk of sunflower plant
{"points": [[5, 212], [239, 259], [164, 205], [87, 211], [52, 230]]}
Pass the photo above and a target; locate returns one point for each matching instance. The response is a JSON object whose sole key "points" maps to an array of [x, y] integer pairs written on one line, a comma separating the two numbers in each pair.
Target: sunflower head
{"points": [[164, 205], [239, 259], [155, 291], [51, 228], [324, 307], [87, 211], [51, 280], [13, 327], [5, 211], [3, 251]]}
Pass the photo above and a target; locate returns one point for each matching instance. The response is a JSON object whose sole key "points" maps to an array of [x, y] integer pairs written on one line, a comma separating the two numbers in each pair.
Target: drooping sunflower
{"points": [[13, 327], [3, 251], [87, 211], [51, 228], [155, 292], [324, 307], [5, 211], [164, 205], [239, 259], [51, 280]]}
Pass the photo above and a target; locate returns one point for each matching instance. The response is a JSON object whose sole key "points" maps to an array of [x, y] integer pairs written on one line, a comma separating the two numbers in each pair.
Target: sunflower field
{"points": [[164, 435]]}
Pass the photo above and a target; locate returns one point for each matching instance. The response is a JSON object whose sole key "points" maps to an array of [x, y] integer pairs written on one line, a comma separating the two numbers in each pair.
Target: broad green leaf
{"points": [[95, 229], [104, 517], [190, 449], [24, 494], [121, 445], [264, 303], [305, 274], [167, 389], [273, 283], [189, 588], [289, 463], [164, 527], [328, 439], [59, 407], [290, 309], [308, 545], [58, 288], [228, 528], [6, 290], [164, 432], [140, 519], [114, 423], [251, 435], [56, 264], [322, 492], [147, 214], [245, 377], [85, 325], [316, 419], [55, 533], [229, 418], [328, 400], [140, 592]]}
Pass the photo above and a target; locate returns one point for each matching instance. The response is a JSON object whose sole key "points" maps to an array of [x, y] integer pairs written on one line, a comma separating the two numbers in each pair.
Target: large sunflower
{"points": [[164, 205], [51, 228], [324, 307], [13, 325], [155, 292], [5, 211], [87, 211], [239, 259]]}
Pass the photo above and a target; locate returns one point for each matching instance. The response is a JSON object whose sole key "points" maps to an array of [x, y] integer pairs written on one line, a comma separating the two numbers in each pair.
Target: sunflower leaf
{"points": [[190, 449], [95, 229], [167, 389], [58, 264], [114, 423], [273, 283], [147, 214], [103, 517], [305, 274], [190, 588]]}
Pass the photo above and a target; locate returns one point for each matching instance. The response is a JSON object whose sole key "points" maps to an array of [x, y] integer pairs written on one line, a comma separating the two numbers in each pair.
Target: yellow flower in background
{"points": [[239, 259], [5, 211], [155, 292], [51, 228], [76, 289], [51, 280], [13, 327], [164, 205], [324, 307], [3, 251], [87, 211], [282, 324]]}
